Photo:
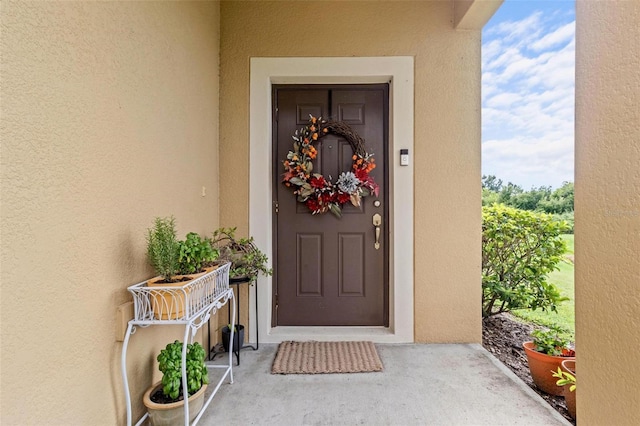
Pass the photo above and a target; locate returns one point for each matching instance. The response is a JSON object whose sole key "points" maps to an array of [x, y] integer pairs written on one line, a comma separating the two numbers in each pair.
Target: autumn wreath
{"points": [[318, 193]]}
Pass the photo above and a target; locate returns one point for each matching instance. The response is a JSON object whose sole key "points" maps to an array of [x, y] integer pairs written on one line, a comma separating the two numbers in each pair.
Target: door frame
{"points": [[398, 72]]}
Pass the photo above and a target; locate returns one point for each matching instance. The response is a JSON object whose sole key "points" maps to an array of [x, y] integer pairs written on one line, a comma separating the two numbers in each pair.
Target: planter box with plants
{"points": [[544, 355], [177, 264]]}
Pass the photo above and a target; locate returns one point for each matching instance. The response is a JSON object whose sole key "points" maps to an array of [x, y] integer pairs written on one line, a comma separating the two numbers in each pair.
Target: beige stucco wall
{"points": [[607, 209], [109, 118], [447, 130]]}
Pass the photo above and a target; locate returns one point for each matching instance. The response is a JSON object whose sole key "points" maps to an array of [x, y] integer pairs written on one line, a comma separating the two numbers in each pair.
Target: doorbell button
{"points": [[404, 157]]}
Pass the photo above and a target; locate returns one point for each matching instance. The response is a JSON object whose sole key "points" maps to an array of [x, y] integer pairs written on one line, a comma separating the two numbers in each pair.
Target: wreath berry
{"points": [[318, 193]]}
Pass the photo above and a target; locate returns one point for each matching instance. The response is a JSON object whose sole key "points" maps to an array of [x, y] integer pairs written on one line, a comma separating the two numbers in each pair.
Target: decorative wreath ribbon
{"points": [[318, 193]]}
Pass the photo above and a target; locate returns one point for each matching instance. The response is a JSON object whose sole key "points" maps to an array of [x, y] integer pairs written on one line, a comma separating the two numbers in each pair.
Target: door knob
{"points": [[377, 221]]}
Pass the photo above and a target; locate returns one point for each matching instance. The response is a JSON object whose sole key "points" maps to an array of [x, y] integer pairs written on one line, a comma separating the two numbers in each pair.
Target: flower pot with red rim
{"points": [[542, 367]]}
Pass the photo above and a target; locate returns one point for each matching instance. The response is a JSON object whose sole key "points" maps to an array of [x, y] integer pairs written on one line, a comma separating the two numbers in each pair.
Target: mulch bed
{"points": [[503, 335]]}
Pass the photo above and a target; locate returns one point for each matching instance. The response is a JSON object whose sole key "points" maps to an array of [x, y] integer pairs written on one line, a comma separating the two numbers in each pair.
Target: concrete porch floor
{"points": [[454, 384]]}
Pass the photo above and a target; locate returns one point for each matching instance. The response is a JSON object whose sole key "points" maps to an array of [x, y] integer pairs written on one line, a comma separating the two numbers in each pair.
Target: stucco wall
{"points": [[109, 118], [447, 130], [607, 209]]}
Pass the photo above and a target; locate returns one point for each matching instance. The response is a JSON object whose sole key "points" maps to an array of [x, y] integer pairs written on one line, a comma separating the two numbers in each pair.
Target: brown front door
{"points": [[328, 269]]}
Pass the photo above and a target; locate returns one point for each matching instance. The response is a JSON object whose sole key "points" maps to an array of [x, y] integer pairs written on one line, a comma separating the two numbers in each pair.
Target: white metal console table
{"points": [[191, 305]]}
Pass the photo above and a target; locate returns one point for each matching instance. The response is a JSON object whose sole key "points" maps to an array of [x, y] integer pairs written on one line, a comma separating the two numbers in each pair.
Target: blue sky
{"points": [[528, 70]]}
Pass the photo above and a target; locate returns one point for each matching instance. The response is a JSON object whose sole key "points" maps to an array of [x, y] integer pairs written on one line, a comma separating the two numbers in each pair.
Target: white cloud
{"points": [[491, 49], [505, 56], [561, 35], [530, 162], [513, 30], [503, 99], [528, 99]]}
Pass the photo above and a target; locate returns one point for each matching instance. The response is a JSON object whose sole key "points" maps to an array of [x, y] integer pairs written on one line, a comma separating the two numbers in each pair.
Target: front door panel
{"points": [[328, 269]]}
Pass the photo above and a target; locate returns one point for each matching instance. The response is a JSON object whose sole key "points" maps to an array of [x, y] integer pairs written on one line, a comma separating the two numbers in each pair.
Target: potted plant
{"points": [[165, 399], [544, 355], [247, 261], [566, 376], [238, 337]]}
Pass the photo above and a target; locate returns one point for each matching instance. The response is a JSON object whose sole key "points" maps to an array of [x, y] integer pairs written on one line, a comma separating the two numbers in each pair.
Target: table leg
{"points": [[255, 286]]}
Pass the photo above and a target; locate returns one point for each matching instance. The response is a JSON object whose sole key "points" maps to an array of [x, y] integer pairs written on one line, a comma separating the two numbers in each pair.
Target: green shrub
{"points": [[567, 218], [519, 249]]}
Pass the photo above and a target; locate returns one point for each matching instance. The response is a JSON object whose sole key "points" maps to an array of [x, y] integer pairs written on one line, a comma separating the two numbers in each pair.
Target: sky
{"points": [[528, 79]]}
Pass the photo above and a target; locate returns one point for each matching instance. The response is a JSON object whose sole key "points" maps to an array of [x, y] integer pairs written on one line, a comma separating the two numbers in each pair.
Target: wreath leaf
{"points": [[306, 192]]}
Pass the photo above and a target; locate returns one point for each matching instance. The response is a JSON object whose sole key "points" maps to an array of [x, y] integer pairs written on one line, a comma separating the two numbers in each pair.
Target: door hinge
{"points": [[276, 206], [277, 114]]}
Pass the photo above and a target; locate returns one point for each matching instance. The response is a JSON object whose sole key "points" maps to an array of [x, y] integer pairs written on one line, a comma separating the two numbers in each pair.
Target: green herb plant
{"points": [[163, 249], [551, 342], [565, 378], [170, 364], [195, 253]]}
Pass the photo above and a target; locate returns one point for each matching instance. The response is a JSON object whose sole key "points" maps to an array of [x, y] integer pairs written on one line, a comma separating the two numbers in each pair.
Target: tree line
{"points": [[544, 199]]}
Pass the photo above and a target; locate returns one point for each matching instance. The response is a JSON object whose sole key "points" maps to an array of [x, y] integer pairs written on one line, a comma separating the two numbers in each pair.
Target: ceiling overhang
{"points": [[473, 14]]}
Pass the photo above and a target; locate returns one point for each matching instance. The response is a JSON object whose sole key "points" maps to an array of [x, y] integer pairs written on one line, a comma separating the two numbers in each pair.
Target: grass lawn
{"points": [[568, 240], [564, 280]]}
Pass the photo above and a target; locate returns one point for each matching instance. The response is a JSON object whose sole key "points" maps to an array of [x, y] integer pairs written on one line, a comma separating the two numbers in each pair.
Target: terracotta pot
{"points": [[542, 366], [569, 366], [203, 272], [169, 304], [173, 413]]}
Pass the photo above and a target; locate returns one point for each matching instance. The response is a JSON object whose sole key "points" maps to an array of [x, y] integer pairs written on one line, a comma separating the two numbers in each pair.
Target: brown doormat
{"points": [[326, 357]]}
